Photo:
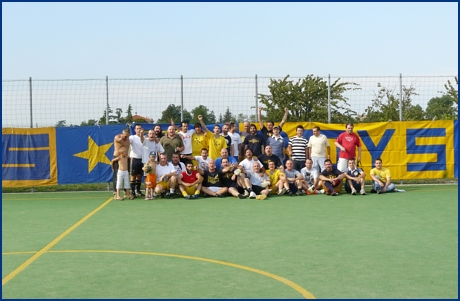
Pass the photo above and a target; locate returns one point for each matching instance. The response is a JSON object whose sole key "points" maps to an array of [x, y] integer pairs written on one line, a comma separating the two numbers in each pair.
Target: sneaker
{"points": [[334, 193], [139, 193], [320, 191], [246, 193], [147, 198], [299, 193], [282, 191], [373, 190], [195, 196], [362, 192], [187, 197], [261, 197], [353, 191], [289, 192], [218, 195], [240, 196], [379, 191], [252, 195]]}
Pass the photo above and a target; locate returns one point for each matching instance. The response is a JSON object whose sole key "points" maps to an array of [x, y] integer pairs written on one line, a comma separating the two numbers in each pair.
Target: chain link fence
{"points": [[45, 103]]}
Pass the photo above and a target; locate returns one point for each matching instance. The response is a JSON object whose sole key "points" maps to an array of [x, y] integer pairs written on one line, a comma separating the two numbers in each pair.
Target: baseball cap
{"points": [[153, 154], [276, 127]]}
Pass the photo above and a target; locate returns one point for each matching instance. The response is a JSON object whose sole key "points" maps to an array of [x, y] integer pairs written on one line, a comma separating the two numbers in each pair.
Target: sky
{"points": [[238, 39]]}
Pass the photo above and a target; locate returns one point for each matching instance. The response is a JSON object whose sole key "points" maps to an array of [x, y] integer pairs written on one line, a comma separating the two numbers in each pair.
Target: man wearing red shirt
{"points": [[347, 142]]}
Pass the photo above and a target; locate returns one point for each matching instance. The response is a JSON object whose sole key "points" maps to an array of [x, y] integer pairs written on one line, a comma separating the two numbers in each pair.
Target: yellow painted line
{"points": [[18, 165], [51, 244], [27, 149], [306, 294]]}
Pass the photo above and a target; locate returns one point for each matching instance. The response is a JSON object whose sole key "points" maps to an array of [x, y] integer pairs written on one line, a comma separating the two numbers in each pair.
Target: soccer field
{"points": [[87, 245]]}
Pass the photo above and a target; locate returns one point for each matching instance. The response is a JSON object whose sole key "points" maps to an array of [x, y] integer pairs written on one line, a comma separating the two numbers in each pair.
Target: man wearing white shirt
{"points": [[166, 177], [135, 155], [319, 149], [310, 182], [237, 143], [248, 163], [186, 136], [151, 144]]}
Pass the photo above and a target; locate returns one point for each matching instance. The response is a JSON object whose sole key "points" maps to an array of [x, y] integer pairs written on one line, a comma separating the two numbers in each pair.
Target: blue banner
{"points": [[84, 153]]}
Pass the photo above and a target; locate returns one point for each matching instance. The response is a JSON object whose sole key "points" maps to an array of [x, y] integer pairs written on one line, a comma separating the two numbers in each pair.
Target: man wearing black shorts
{"points": [[135, 156]]}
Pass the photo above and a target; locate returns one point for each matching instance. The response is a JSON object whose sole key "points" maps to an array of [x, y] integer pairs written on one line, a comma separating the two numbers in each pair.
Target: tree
{"points": [[119, 119], [385, 106], [61, 123], [208, 116], [112, 118], [451, 92], [441, 108], [174, 112], [88, 123], [228, 116], [307, 99], [129, 114]]}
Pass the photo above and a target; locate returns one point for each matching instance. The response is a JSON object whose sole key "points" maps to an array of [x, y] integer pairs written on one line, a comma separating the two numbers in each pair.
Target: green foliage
{"points": [[385, 106], [307, 99], [208, 116], [88, 123], [61, 123], [173, 112], [441, 108], [451, 92], [227, 117]]}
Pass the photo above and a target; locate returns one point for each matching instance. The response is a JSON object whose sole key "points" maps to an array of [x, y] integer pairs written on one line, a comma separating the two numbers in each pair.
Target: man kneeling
{"points": [[190, 182]]}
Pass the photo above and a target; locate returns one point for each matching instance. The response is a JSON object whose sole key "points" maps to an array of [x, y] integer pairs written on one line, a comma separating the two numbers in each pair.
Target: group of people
{"points": [[247, 165]]}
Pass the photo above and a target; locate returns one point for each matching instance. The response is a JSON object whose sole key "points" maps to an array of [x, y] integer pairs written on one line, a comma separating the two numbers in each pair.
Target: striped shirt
{"points": [[299, 146]]}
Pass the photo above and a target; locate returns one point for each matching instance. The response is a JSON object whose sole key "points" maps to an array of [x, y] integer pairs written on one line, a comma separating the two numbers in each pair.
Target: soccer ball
{"points": [[237, 171], [265, 183], [147, 168], [311, 189]]}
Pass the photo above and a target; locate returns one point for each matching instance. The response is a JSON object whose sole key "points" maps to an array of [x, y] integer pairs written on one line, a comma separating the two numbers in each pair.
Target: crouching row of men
{"points": [[243, 182]]}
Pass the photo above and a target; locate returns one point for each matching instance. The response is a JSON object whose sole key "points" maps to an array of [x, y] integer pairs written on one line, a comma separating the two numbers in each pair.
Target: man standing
{"points": [[199, 138], [381, 178], [298, 149], [186, 136], [254, 142], [347, 142], [236, 141], [215, 141], [227, 137], [332, 179], [172, 143], [135, 155], [268, 131], [120, 140], [245, 133], [276, 141], [319, 149], [151, 144], [158, 131]]}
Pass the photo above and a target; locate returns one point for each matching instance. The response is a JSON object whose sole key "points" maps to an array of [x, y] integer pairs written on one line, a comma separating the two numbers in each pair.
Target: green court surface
{"points": [[87, 245]]}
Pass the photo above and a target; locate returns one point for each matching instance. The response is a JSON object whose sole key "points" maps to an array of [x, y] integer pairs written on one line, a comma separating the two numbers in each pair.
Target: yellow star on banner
{"points": [[95, 154]]}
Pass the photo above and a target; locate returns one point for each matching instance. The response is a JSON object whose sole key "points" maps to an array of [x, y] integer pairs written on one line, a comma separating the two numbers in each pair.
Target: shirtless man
{"points": [[120, 140]]}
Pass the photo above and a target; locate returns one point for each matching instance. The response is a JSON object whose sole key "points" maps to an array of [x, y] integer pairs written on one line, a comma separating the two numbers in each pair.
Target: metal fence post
{"points": [[329, 99], [400, 97], [181, 98], [257, 99], [107, 95], [30, 99]]}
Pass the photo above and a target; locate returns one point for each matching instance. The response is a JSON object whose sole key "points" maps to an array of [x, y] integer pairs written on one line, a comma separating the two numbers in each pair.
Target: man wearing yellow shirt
{"points": [[381, 178], [215, 141]]}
